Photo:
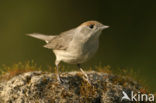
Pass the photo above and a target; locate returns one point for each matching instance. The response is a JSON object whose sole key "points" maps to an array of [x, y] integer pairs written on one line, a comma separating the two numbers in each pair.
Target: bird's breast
{"points": [[82, 52]]}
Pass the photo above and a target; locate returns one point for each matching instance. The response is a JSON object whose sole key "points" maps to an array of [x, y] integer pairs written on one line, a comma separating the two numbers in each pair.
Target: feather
{"points": [[43, 37], [61, 42]]}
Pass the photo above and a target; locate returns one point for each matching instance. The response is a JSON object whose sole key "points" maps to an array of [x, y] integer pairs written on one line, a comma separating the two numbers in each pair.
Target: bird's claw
{"points": [[85, 76], [59, 79]]}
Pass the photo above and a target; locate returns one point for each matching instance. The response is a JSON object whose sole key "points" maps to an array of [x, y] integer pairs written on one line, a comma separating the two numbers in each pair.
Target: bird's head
{"points": [[91, 28]]}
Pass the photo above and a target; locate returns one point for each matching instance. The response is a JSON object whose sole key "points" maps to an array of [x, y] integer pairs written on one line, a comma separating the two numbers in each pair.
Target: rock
{"points": [[39, 87]]}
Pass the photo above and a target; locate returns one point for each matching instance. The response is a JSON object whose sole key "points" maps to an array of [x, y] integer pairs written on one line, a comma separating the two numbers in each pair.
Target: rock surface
{"points": [[39, 87]]}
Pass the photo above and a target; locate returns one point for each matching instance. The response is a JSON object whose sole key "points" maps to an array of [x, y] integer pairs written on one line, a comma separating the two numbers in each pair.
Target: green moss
{"points": [[7, 72]]}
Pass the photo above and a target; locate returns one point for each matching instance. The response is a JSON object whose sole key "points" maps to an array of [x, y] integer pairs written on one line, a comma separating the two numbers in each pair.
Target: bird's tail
{"points": [[43, 37]]}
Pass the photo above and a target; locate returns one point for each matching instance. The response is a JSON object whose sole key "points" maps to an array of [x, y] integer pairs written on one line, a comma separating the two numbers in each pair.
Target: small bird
{"points": [[74, 46]]}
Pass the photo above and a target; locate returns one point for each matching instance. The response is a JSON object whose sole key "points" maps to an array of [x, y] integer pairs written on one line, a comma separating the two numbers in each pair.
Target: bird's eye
{"points": [[91, 26]]}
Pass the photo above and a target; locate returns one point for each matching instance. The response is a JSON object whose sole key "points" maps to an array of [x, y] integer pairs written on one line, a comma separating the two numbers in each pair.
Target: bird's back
{"points": [[61, 42]]}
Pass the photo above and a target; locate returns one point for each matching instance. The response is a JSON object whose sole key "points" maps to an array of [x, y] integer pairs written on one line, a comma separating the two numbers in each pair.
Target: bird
{"points": [[74, 46]]}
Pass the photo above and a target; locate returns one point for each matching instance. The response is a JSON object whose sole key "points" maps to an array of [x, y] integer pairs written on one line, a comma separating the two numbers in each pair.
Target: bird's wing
{"points": [[61, 41]]}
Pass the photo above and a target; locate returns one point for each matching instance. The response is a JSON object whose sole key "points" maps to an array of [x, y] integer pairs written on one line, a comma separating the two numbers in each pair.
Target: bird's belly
{"points": [[76, 56], [72, 59], [67, 57]]}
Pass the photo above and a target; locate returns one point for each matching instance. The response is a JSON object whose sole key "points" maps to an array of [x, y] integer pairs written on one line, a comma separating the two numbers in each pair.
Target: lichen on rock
{"points": [[39, 87]]}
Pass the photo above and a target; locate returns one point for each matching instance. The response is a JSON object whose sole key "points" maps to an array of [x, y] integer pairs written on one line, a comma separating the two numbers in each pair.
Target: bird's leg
{"points": [[57, 74], [86, 76], [57, 71]]}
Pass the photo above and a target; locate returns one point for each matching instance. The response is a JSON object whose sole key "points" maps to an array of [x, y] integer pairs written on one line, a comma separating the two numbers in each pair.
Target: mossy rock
{"points": [[39, 87]]}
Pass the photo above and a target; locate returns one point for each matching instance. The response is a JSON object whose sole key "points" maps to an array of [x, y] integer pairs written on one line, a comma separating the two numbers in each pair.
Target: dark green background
{"points": [[130, 42]]}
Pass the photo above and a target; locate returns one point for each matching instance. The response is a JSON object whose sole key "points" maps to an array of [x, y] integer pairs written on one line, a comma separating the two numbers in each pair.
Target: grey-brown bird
{"points": [[74, 46]]}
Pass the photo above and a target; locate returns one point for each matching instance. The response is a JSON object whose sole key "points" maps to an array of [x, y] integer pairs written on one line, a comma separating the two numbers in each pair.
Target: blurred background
{"points": [[130, 42]]}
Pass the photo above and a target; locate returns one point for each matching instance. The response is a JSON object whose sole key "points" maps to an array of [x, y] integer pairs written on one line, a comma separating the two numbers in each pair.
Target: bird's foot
{"points": [[61, 81], [85, 76], [58, 79]]}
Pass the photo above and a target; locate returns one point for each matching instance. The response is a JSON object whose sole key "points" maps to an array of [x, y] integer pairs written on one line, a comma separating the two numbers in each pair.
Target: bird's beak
{"points": [[104, 27]]}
